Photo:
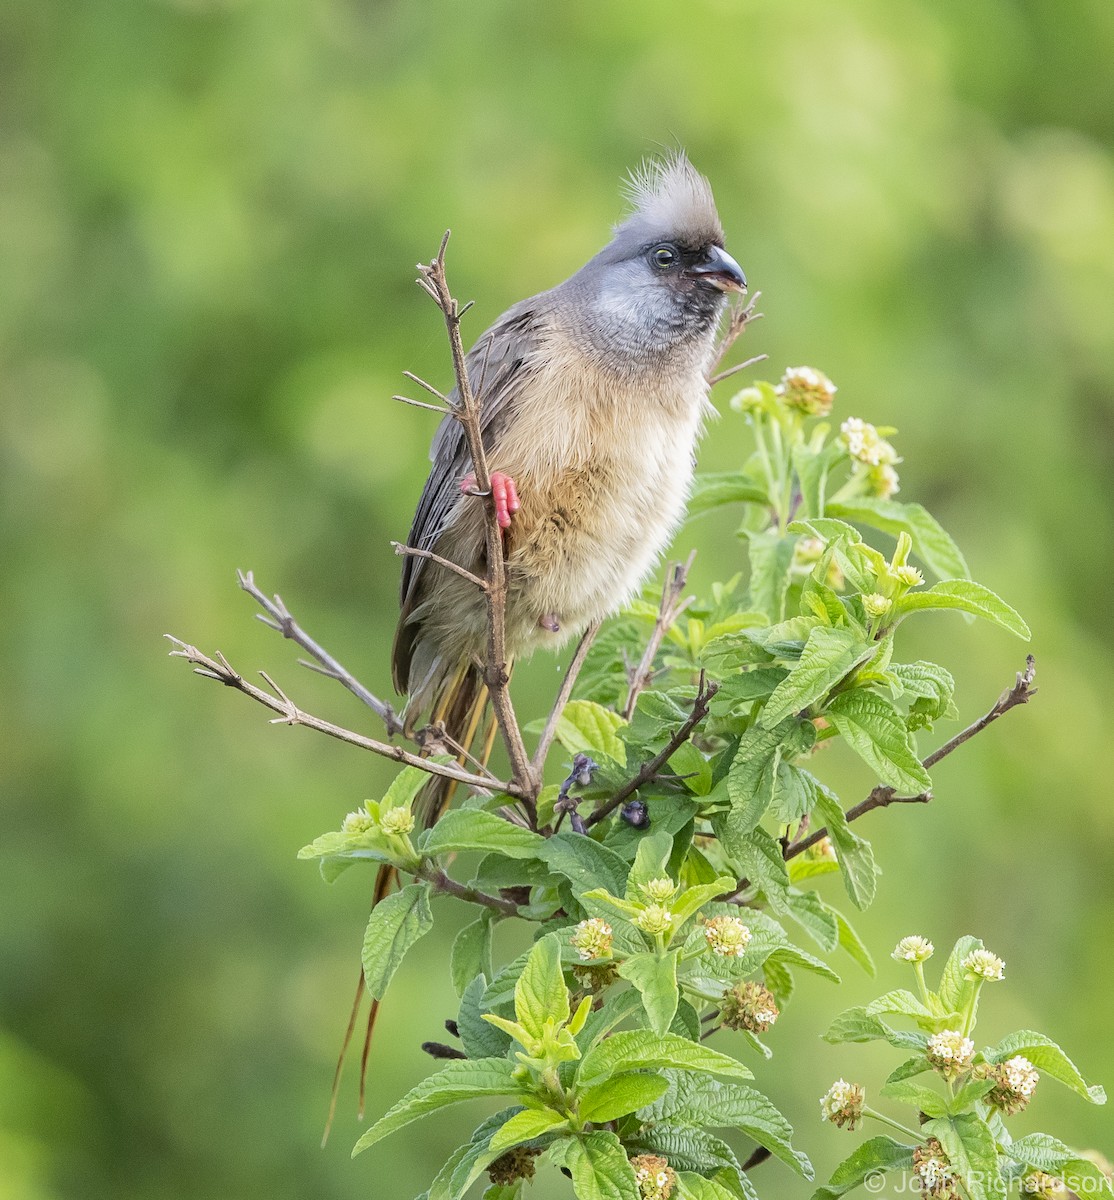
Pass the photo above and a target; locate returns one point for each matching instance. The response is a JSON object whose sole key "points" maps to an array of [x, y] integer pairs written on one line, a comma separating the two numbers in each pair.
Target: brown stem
{"points": [[670, 608], [443, 882], [741, 316], [433, 280], [1021, 692], [220, 669], [278, 617], [447, 563], [700, 704], [550, 730]]}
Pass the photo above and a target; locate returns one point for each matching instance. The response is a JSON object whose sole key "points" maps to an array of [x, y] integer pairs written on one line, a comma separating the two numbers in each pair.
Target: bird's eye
{"points": [[663, 256]]}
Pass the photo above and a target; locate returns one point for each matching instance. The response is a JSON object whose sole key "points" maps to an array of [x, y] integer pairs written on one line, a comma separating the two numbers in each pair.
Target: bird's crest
{"points": [[671, 199]]}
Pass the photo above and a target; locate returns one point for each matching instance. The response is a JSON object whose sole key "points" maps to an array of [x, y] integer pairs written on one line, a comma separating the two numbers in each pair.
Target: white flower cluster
{"points": [[950, 1052], [981, 964], [913, 949], [726, 936]]}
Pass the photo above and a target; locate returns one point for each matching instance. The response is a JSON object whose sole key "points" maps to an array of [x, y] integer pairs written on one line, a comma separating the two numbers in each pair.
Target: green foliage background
{"points": [[209, 216]]}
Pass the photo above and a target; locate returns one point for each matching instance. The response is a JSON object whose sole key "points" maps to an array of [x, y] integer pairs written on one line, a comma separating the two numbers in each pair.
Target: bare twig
{"points": [[741, 316], [422, 404], [432, 279], [720, 376], [669, 609], [447, 563], [1021, 692], [220, 669], [278, 617], [443, 882], [550, 730], [649, 771]]}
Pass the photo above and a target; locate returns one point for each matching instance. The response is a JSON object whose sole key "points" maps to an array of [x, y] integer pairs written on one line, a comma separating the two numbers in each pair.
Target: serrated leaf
{"points": [[635, 1049], [854, 853], [1048, 1058], [540, 993], [874, 729], [586, 727], [972, 1151], [854, 945], [691, 1186], [720, 488], [697, 1100], [599, 1167], [955, 987], [524, 1127], [1042, 1152], [967, 596], [931, 542], [770, 558], [900, 1002], [828, 656], [470, 829], [650, 861], [655, 977], [479, 1038], [921, 1097], [466, 1162], [689, 1148], [873, 1158], [581, 859], [620, 1095], [857, 1025], [471, 953], [462, 1079], [396, 923]]}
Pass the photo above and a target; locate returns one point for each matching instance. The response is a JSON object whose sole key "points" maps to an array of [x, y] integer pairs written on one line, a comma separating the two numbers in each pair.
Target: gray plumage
{"points": [[592, 398]]}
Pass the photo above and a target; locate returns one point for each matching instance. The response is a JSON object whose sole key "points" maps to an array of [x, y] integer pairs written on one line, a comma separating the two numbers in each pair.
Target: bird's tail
{"points": [[459, 709]]}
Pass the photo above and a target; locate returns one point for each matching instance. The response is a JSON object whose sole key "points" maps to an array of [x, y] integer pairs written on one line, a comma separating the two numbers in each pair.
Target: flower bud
{"points": [[397, 821], [865, 444], [884, 480], [592, 939], [726, 936], [654, 1176], [909, 576], [660, 891], [842, 1104], [950, 1053], [876, 605], [655, 919], [357, 822], [981, 964], [1043, 1185], [807, 390], [749, 1006], [913, 949]]}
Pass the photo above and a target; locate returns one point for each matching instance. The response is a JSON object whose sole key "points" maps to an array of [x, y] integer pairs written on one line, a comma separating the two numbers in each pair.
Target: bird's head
{"points": [[663, 280]]}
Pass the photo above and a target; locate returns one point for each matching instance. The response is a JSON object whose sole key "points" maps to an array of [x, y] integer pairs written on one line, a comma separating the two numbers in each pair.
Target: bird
{"points": [[592, 397]]}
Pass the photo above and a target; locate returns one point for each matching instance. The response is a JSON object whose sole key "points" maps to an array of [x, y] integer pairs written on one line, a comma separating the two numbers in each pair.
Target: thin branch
{"points": [[422, 404], [220, 669], [704, 694], [428, 387], [550, 730], [433, 280], [741, 316], [278, 617], [443, 882], [669, 609], [447, 563], [1021, 692], [720, 376]]}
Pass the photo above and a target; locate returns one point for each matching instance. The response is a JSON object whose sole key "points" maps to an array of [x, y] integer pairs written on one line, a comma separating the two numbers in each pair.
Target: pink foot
{"points": [[503, 493]]}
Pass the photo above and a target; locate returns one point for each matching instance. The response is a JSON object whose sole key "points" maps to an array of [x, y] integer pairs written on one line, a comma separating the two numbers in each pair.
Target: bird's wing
{"points": [[498, 365]]}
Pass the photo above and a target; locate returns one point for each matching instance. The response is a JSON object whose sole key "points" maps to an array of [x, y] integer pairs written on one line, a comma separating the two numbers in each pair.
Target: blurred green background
{"points": [[209, 216]]}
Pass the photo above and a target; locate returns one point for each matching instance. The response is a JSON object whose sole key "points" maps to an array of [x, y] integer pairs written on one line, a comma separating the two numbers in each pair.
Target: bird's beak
{"points": [[721, 271]]}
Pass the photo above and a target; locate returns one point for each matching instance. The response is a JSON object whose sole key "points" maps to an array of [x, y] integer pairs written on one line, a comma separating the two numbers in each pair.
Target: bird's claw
{"points": [[503, 492]]}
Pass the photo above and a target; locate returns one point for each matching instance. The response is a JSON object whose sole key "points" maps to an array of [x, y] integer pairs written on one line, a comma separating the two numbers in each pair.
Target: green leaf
{"points": [[966, 1094], [931, 543], [479, 1038], [586, 727], [540, 993], [471, 953], [930, 683], [689, 1148], [599, 1167], [854, 945], [582, 859], [874, 729], [871, 1160], [655, 977], [973, 1153], [1048, 1058], [697, 1100], [524, 1127], [462, 1079], [396, 923], [829, 655], [470, 829], [967, 596], [650, 860], [457, 1173], [921, 1097], [902, 1003], [720, 488], [1042, 1152], [691, 1186], [634, 1049], [620, 1095], [955, 987], [857, 1025], [812, 914], [854, 854], [616, 1008], [770, 559]]}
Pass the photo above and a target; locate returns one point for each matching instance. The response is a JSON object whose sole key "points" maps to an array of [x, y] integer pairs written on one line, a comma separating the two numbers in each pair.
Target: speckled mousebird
{"points": [[593, 397]]}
